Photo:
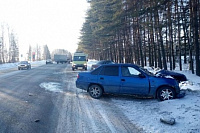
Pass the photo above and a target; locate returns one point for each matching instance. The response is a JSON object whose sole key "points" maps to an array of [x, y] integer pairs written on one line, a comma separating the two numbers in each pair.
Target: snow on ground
{"points": [[52, 86], [8, 65], [146, 113]]}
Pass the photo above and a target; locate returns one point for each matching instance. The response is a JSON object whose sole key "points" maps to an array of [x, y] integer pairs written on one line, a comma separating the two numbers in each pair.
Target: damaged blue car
{"points": [[127, 79]]}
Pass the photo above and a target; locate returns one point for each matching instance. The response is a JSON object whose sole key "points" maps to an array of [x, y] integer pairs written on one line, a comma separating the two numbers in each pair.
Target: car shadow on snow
{"points": [[126, 97], [108, 97]]}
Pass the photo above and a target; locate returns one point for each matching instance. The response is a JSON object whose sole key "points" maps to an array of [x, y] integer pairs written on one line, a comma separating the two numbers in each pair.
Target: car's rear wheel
{"points": [[165, 93], [95, 91]]}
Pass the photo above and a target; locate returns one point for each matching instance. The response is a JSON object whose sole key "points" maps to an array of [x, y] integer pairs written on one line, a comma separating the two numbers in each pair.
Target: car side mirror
{"points": [[141, 75]]}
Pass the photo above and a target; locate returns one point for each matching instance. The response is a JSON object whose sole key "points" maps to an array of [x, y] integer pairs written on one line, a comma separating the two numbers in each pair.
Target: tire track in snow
{"points": [[82, 114]]}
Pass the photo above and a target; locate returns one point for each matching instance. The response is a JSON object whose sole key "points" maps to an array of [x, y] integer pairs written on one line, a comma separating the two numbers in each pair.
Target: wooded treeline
{"points": [[9, 50], [144, 32]]}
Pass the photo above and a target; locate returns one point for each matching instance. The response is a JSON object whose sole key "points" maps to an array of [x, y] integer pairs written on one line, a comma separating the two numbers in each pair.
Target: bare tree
{"points": [[13, 47], [2, 46], [46, 53]]}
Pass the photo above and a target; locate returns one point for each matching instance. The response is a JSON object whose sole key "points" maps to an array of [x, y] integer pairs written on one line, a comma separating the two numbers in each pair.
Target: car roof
{"points": [[102, 61], [121, 64], [23, 61]]}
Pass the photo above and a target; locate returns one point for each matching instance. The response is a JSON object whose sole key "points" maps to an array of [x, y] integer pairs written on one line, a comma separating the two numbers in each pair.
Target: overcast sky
{"points": [[56, 23]]}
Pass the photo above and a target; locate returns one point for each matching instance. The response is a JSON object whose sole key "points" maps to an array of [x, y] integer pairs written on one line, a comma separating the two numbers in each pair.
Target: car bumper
{"points": [[82, 85], [181, 94], [22, 67], [79, 66]]}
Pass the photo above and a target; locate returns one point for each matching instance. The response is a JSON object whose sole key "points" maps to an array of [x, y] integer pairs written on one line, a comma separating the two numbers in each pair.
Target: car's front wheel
{"points": [[95, 91], [165, 93]]}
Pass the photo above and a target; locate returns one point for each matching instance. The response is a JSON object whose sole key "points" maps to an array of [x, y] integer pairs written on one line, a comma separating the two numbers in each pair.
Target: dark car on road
{"points": [[49, 61], [127, 79], [24, 65], [178, 76], [102, 62]]}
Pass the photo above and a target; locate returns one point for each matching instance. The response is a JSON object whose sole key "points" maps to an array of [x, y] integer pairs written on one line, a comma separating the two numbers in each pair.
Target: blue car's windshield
{"points": [[146, 71]]}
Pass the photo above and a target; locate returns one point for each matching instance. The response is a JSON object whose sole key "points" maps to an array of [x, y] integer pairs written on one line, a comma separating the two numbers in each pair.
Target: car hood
{"points": [[166, 72]]}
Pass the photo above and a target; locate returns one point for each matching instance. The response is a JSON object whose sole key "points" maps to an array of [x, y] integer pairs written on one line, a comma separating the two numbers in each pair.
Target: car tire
{"points": [[95, 91], [165, 93]]}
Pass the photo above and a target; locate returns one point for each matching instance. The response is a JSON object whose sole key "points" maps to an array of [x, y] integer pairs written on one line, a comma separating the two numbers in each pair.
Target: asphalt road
{"points": [[26, 107]]}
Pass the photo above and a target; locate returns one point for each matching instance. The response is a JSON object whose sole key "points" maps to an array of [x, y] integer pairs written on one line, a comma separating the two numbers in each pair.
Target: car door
{"points": [[109, 78], [132, 82]]}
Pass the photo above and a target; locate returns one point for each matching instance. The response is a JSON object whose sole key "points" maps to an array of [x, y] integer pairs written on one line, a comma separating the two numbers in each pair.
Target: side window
{"points": [[110, 71], [125, 72], [96, 71], [129, 71]]}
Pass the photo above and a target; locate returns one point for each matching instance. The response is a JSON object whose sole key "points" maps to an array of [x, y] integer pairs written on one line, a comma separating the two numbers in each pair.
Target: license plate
{"points": [[80, 68]]}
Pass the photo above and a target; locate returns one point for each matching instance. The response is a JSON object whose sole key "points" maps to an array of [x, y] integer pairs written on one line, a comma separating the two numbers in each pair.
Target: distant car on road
{"points": [[90, 63], [99, 63], [49, 61], [127, 79], [24, 65], [178, 76]]}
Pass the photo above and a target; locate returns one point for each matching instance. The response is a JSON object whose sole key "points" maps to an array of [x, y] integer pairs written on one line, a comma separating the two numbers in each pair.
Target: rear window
{"points": [[110, 71]]}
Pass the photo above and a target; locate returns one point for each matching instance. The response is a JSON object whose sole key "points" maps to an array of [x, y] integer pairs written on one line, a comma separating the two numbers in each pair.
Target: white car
{"points": [[24, 65], [90, 63]]}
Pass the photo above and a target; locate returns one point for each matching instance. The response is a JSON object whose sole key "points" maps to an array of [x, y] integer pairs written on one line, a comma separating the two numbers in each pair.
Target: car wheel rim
{"points": [[95, 91], [166, 94]]}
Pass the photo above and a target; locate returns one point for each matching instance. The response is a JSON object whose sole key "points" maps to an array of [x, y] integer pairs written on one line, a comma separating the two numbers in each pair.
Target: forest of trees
{"points": [[144, 32], [9, 50]]}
